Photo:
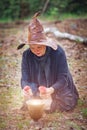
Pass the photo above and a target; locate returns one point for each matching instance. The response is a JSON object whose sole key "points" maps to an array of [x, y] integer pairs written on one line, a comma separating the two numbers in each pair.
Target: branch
{"points": [[59, 34]]}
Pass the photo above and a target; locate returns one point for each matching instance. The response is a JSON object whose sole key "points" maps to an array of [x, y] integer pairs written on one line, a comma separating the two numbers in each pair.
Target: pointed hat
{"points": [[36, 35]]}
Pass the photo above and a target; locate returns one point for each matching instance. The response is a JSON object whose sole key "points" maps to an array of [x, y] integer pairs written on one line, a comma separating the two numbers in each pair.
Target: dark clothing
{"points": [[50, 70]]}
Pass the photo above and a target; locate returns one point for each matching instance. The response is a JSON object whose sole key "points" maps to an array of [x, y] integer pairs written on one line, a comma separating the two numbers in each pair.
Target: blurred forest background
{"points": [[20, 9]]}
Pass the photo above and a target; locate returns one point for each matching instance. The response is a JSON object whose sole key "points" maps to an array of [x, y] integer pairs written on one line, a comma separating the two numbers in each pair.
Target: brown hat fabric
{"points": [[36, 34]]}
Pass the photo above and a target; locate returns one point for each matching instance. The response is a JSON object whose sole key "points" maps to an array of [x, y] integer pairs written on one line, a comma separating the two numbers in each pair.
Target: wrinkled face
{"points": [[38, 50]]}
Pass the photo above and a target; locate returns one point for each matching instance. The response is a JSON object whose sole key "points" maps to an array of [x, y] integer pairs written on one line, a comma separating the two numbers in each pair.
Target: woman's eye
{"points": [[32, 48]]}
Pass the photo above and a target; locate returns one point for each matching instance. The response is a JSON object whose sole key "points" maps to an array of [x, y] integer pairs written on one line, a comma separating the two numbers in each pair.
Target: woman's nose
{"points": [[37, 50]]}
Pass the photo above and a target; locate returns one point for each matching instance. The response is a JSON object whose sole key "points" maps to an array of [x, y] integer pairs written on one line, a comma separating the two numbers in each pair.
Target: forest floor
{"points": [[11, 97]]}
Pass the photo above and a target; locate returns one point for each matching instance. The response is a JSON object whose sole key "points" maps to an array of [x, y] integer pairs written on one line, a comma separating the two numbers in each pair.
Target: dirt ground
{"points": [[11, 97]]}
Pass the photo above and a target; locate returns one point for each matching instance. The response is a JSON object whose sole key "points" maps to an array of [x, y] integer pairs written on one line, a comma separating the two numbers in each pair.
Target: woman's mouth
{"points": [[38, 54]]}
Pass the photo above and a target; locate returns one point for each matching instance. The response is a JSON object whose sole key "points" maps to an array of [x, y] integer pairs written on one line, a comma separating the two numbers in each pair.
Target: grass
{"points": [[59, 16], [73, 125], [80, 102], [23, 124], [63, 16], [2, 124], [10, 99], [5, 20], [72, 16], [84, 112]]}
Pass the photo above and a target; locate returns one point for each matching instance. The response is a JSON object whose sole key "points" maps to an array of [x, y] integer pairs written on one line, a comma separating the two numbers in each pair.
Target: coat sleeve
{"points": [[65, 91], [25, 79], [62, 73]]}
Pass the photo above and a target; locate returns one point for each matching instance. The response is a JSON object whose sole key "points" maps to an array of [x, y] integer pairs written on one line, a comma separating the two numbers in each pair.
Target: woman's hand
{"points": [[45, 92], [27, 92]]}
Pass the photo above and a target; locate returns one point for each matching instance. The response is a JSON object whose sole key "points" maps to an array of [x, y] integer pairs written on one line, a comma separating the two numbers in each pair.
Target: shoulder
{"points": [[26, 52], [59, 51]]}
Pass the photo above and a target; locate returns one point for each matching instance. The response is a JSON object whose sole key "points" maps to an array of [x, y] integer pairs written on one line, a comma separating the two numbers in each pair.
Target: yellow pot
{"points": [[36, 108]]}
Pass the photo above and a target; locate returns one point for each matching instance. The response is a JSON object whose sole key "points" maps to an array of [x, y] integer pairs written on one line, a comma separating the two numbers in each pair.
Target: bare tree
{"points": [[45, 6]]}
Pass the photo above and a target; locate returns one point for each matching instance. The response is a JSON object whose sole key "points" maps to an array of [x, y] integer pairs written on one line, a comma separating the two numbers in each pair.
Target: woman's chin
{"points": [[39, 55]]}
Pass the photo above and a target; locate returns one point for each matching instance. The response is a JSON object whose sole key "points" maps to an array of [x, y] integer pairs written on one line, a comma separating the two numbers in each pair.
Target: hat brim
{"points": [[47, 42]]}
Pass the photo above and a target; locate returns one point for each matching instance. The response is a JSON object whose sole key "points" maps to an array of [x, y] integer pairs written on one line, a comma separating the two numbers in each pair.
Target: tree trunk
{"points": [[45, 6]]}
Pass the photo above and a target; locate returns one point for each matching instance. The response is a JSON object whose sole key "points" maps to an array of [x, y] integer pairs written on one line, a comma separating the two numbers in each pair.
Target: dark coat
{"points": [[50, 70]]}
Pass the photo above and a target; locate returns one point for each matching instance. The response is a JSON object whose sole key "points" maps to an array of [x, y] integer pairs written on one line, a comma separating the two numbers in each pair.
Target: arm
{"points": [[63, 72], [25, 80]]}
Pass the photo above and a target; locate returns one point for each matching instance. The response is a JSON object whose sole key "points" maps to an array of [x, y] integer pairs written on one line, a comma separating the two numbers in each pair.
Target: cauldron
{"points": [[36, 108]]}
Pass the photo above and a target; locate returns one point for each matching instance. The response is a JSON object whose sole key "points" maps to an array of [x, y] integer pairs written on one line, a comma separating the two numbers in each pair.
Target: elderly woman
{"points": [[44, 65]]}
